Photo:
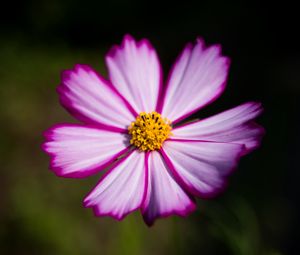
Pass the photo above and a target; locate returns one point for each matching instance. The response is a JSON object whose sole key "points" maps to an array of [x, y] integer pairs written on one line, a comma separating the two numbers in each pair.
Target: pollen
{"points": [[149, 131]]}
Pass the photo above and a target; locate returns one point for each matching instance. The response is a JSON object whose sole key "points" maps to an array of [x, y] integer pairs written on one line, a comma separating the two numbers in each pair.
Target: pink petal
{"points": [[164, 196], [121, 190], [201, 167], [135, 71], [197, 78], [92, 99], [232, 126], [79, 151]]}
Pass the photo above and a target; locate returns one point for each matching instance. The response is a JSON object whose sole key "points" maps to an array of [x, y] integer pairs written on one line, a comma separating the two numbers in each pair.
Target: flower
{"points": [[132, 125]]}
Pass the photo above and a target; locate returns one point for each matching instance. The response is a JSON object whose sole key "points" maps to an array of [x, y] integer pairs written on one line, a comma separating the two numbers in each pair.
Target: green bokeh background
{"points": [[43, 214]]}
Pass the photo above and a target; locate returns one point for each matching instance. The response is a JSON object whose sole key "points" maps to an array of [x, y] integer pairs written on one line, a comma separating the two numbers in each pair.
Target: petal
{"points": [[234, 126], [197, 78], [201, 167], [79, 151], [135, 71], [92, 100], [164, 196], [121, 190]]}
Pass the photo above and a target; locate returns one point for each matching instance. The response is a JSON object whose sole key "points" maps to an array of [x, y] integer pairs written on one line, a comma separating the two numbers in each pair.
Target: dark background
{"points": [[42, 214]]}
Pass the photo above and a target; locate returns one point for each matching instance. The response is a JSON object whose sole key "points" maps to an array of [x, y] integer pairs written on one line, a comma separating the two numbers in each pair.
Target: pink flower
{"points": [[154, 166]]}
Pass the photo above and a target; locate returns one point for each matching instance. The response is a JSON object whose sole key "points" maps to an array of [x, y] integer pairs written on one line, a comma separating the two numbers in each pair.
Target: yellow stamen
{"points": [[149, 131]]}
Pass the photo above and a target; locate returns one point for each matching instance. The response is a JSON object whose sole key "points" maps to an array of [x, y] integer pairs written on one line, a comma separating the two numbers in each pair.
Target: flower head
{"points": [[128, 126]]}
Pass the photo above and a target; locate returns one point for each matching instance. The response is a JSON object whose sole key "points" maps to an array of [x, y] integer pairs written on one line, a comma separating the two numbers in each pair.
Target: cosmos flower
{"points": [[132, 125]]}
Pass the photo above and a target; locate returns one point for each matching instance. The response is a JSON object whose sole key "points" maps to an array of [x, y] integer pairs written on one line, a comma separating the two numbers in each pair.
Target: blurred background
{"points": [[42, 214]]}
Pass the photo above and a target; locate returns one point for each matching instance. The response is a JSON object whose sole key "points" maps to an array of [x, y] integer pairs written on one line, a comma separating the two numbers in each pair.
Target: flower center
{"points": [[149, 131]]}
